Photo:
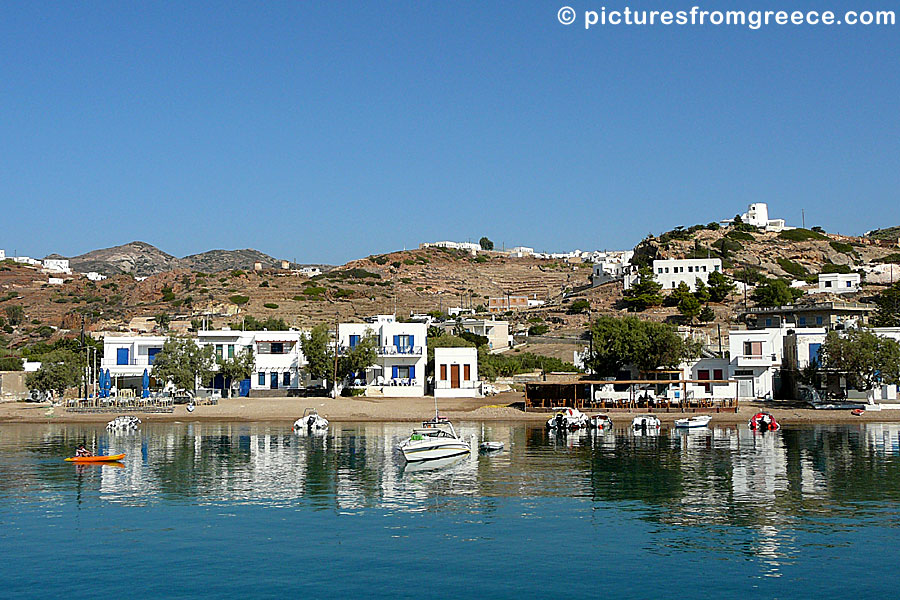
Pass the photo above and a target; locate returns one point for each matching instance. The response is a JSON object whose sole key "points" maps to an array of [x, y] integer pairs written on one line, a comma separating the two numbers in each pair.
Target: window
{"points": [[849, 284], [814, 353], [219, 351], [801, 321], [753, 349], [667, 269], [443, 372], [354, 340], [286, 379], [401, 372], [827, 284], [467, 373], [659, 270], [716, 268], [818, 320], [151, 354], [704, 268], [262, 378], [230, 350], [768, 322], [690, 269], [277, 348]]}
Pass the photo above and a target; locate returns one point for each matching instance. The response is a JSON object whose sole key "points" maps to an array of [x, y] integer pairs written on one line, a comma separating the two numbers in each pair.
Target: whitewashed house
{"points": [[128, 356], [456, 373], [279, 363], [57, 265], [671, 272], [94, 276], [838, 283], [399, 370], [758, 215], [497, 332], [755, 361]]}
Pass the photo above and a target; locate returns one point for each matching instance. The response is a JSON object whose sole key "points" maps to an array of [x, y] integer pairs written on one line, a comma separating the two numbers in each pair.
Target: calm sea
{"points": [[254, 511]]}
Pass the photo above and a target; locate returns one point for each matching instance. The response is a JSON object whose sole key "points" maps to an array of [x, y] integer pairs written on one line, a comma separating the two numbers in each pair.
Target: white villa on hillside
{"points": [[497, 332], [57, 265], [758, 215], [838, 283], [672, 272], [399, 370]]}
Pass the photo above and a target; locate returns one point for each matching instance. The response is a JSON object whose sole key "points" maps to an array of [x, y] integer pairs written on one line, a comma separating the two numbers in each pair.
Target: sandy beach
{"points": [[496, 408]]}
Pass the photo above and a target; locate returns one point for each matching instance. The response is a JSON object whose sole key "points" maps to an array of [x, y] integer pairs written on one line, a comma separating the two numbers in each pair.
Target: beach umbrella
{"points": [[102, 383], [108, 382], [145, 383]]}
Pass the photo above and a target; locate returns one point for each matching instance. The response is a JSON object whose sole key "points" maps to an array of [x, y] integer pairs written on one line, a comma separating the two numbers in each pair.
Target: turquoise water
{"points": [[252, 510]]}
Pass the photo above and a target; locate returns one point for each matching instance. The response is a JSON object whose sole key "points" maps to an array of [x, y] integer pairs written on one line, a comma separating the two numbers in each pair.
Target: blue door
{"points": [[151, 354], [121, 356], [245, 387], [814, 353], [273, 381]]}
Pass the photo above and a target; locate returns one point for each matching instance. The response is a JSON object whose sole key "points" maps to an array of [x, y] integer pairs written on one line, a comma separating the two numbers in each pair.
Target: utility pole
{"points": [[336, 346]]}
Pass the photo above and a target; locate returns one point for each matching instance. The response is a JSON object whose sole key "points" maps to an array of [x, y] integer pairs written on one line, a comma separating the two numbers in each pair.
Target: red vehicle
{"points": [[763, 421]]}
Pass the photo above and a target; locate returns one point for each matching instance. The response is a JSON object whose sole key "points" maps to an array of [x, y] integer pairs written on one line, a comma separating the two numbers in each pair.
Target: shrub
{"points": [[841, 247], [342, 293], [894, 257], [795, 269], [239, 300], [167, 294], [833, 268], [314, 291], [538, 329], [271, 305], [264, 284], [237, 273], [579, 306], [800, 235]]}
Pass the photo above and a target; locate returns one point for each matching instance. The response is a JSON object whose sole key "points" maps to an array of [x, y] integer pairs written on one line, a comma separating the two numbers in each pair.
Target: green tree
{"points": [[888, 302], [706, 315], [775, 292], [163, 320], [644, 292], [182, 362], [690, 308], [238, 367], [361, 356], [579, 306], [865, 358], [15, 314], [60, 370], [486, 244], [720, 287], [316, 347], [11, 363], [618, 342], [701, 291], [678, 294]]}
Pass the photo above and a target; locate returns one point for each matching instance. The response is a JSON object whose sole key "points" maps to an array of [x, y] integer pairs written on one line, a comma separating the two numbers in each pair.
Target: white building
{"points": [[55, 280], [94, 276], [399, 370], [838, 283], [468, 246], [755, 361], [278, 360], [456, 373], [2, 254], [520, 252], [57, 265], [610, 266], [279, 363], [309, 271], [497, 332], [672, 272], [27, 260], [758, 215]]}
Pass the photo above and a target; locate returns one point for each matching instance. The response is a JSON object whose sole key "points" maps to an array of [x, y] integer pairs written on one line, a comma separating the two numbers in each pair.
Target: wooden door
{"points": [[454, 376]]}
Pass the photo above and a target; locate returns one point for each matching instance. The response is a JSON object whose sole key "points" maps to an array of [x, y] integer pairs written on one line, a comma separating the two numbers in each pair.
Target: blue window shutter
{"points": [[397, 341], [354, 340], [122, 356], [412, 342], [814, 353], [395, 373], [262, 378], [412, 372]]}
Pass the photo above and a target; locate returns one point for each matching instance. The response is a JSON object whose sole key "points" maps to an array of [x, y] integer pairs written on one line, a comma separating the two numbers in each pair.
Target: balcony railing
{"points": [[401, 350]]}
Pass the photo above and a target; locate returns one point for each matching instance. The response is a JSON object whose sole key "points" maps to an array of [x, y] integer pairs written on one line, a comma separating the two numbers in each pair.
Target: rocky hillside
{"points": [[142, 260]]}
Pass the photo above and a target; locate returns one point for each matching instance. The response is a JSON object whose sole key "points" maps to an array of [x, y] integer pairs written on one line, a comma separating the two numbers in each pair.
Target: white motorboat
{"points": [[601, 422], [691, 422], [642, 423], [311, 422], [123, 423], [434, 440], [490, 446], [567, 419]]}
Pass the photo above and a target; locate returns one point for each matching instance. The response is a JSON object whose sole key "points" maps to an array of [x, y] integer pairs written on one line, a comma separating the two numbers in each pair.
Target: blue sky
{"points": [[326, 131]]}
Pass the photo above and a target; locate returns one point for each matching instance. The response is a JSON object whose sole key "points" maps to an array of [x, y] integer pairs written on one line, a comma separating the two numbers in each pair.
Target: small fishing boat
{"points": [[696, 421], [601, 422], [857, 412], [311, 422], [567, 419], [490, 446], [763, 421], [645, 423], [91, 459]]}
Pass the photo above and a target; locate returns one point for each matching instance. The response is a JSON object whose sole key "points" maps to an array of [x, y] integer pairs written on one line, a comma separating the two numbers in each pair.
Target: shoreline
{"points": [[374, 410]]}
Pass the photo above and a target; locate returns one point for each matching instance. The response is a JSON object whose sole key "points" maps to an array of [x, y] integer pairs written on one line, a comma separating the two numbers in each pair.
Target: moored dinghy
{"points": [[601, 422], [567, 419], [692, 422], [645, 425], [311, 422], [490, 447], [763, 421]]}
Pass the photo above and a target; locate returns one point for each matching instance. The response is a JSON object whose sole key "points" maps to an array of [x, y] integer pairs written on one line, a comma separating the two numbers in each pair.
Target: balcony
{"points": [[401, 351], [756, 360]]}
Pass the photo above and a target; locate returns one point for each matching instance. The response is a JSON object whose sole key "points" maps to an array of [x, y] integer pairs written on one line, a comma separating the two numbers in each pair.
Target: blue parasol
{"points": [[107, 382], [145, 383]]}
